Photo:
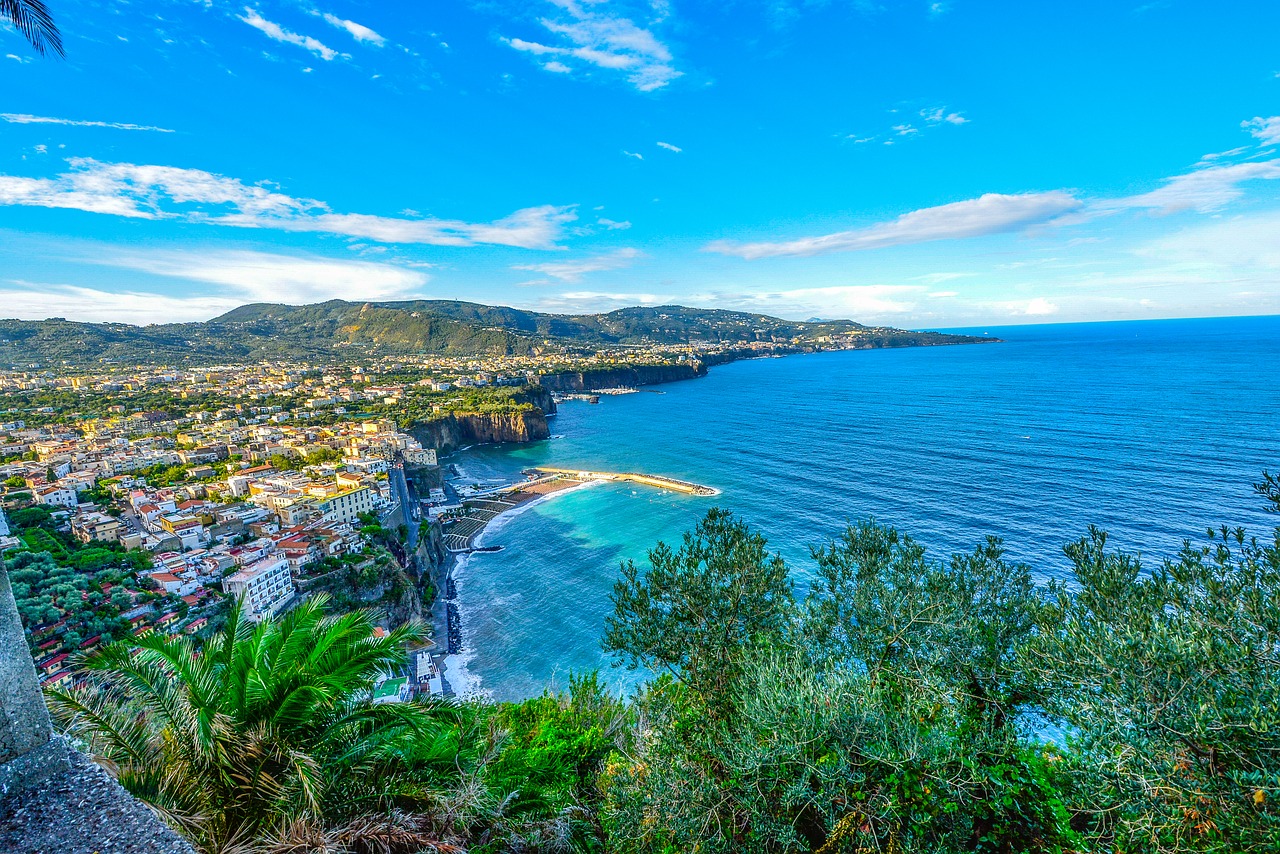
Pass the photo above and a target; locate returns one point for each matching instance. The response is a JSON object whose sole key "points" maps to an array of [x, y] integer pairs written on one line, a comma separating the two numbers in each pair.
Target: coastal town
{"points": [[150, 499], [146, 495]]}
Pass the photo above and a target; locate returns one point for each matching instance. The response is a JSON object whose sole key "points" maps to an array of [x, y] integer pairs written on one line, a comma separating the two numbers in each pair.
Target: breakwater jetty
{"points": [[655, 480]]}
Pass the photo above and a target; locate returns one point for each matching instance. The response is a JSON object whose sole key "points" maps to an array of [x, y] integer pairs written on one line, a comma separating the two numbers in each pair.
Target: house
{"points": [[56, 496], [52, 664], [61, 679], [347, 506], [264, 588], [96, 528], [174, 585]]}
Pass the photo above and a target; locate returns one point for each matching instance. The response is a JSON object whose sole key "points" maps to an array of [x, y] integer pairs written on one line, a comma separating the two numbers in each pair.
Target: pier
{"points": [[655, 480]]}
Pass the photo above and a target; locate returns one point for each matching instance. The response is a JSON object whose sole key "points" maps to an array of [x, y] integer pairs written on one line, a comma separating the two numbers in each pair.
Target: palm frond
{"points": [[33, 20]]}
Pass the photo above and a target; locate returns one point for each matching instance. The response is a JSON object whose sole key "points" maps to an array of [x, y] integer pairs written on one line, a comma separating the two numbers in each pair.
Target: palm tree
{"points": [[267, 738], [33, 20]]}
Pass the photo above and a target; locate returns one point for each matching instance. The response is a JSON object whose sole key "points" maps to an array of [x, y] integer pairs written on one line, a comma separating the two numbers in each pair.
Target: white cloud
{"points": [[1267, 130], [1035, 307], [607, 41], [557, 67], [25, 119], [358, 31], [274, 31], [1219, 155], [265, 277], [238, 277], [39, 301], [613, 225], [588, 301], [633, 154], [939, 278], [1207, 189], [573, 271], [939, 115], [669, 147], [1203, 190], [992, 213], [1240, 246], [846, 301], [166, 192]]}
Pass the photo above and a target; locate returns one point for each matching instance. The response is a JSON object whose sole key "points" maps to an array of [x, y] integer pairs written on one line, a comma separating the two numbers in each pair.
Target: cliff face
{"points": [[450, 432], [620, 377], [455, 430]]}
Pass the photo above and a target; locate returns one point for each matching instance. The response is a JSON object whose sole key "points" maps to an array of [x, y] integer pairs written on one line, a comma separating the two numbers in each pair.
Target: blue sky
{"points": [[921, 164]]}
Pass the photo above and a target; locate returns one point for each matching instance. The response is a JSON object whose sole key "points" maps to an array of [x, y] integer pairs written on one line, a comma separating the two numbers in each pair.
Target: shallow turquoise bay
{"points": [[1150, 430]]}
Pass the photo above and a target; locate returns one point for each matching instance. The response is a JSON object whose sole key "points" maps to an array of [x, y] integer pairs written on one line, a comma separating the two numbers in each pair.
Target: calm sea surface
{"points": [[1151, 430]]}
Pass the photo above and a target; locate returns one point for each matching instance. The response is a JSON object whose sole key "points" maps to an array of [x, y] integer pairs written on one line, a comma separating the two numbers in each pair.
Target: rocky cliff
{"points": [[454, 430], [450, 432], [630, 377]]}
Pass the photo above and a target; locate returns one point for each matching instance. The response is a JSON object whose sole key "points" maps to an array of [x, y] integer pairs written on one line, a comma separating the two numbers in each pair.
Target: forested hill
{"points": [[341, 331]]}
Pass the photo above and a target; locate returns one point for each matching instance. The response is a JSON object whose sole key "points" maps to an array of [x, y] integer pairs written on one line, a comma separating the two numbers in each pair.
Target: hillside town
{"points": [[148, 499], [163, 520], [145, 499]]}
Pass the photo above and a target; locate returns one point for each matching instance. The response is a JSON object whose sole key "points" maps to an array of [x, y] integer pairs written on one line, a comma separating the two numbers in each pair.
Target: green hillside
{"points": [[344, 331]]}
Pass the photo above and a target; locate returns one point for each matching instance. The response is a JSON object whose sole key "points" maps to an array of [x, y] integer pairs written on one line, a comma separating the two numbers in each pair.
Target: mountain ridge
{"points": [[343, 330]]}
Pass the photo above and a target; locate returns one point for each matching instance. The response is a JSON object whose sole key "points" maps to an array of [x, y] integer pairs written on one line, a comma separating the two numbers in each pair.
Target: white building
{"points": [[264, 587], [420, 456], [346, 506], [56, 496]]}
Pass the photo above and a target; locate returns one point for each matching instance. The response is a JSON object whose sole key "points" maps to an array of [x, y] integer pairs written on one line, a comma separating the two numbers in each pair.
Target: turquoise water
{"points": [[1151, 430]]}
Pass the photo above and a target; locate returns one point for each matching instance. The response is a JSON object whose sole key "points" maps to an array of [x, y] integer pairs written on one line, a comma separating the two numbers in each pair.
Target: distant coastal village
{"points": [[145, 498]]}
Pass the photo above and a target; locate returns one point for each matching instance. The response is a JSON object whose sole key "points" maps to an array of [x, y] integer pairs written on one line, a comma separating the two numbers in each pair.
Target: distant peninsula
{"points": [[343, 332]]}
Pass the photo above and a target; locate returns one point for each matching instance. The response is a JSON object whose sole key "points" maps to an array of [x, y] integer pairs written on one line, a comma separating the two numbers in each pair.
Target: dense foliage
{"points": [[79, 586], [903, 704]]}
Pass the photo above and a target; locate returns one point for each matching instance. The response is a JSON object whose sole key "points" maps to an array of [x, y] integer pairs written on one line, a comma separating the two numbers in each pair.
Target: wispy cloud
{"points": [[274, 31], [1034, 307], [992, 213], [1203, 190], [1265, 129], [587, 301], [36, 301], [834, 301], [167, 192], [268, 277], [25, 119], [573, 271], [237, 277], [613, 224], [1210, 187], [938, 115], [634, 154], [930, 118], [592, 36], [359, 32], [669, 147]]}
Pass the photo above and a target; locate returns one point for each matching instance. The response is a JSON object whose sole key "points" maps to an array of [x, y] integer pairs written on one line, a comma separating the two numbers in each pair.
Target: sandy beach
{"points": [[493, 513]]}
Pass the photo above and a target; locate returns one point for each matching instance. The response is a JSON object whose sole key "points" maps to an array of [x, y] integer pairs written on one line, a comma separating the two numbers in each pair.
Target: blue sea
{"points": [[1152, 430]]}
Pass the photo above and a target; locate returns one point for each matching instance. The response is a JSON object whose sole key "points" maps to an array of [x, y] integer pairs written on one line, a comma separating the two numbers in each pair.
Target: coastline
{"points": [[464, 684]]}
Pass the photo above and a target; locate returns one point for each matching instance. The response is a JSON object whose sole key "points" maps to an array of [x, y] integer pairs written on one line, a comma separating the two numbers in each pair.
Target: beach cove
{"points": [[1150, 430]]}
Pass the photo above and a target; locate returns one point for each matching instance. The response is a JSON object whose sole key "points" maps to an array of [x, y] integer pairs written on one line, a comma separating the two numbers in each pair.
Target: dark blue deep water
{"points": [[1151, 430]]}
